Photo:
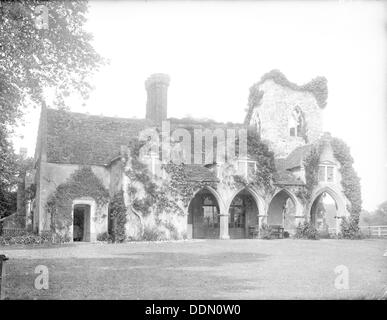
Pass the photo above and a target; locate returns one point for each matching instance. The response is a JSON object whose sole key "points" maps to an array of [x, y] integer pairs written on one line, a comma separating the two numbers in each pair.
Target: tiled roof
{"points": [[296, 157], [79, 138], [197, 172], [286, 178], [293, 160]]}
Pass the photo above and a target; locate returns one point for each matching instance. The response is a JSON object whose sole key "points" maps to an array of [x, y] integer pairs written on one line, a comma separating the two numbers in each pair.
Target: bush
{"points": [[174, 233], [306, 231], [104, 236], [324, 234], [153, 234], [350, 229], [265, 232], [29, 238]]}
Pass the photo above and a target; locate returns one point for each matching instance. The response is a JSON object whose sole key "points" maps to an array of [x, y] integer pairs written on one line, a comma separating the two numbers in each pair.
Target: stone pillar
{"points": [[223, 226]]}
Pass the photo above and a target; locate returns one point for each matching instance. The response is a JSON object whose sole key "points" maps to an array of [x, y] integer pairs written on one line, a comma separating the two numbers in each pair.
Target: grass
{"points": [[200, 269]]}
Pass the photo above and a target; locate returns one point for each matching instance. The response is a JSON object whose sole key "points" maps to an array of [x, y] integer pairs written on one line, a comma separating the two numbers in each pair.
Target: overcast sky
{"points": [[214, 51]]}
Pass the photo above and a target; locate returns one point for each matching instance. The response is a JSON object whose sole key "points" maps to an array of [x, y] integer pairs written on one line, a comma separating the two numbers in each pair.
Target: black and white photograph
{"points": [[193, 150]]}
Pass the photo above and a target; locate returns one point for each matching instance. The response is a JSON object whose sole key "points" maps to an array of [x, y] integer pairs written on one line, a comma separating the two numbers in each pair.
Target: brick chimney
{"points": [[156, 106]]}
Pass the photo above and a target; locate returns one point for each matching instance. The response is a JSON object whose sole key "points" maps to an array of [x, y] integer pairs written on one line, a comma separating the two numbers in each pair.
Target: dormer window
{"points": [[326, 173], [246, 167], [296, 123]]}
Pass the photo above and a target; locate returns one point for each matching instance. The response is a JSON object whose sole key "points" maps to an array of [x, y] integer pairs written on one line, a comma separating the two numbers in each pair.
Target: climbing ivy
{"points": [[350, 181], [158, 195], [117, 211], [258, 151], [311, 163], [317, 86], [349, 178], [82, 183]]}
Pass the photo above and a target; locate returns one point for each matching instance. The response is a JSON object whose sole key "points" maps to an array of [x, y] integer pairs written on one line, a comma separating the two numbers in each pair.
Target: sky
{"points": [[214, 52]]}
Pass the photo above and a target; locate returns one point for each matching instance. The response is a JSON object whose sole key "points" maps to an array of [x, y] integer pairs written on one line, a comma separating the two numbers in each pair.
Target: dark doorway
{"points": [[203, 216], [81, 223], [243, 213]]}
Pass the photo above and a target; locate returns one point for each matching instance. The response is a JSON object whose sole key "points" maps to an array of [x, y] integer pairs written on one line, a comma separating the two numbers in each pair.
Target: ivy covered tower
{"points": [[286, 115]]}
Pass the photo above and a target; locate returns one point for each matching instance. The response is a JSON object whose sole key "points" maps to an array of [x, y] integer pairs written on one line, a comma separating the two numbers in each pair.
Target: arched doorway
{"points": [[324, 214], [243, 213], [203, 216], [282, 211]]}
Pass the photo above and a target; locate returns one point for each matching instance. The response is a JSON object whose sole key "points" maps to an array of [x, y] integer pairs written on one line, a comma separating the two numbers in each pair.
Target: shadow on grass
{"points": [[149, 275]]}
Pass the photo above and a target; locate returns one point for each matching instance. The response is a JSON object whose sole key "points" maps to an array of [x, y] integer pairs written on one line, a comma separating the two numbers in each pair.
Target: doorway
{"points": [[81, 222]]}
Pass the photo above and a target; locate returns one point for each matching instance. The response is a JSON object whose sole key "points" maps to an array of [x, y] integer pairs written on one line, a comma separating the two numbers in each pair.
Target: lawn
{"points": [[200, 269]]}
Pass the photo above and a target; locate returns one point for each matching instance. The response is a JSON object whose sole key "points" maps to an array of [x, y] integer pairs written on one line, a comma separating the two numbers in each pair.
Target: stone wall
{"points": [[275, 110], [50, 177]]}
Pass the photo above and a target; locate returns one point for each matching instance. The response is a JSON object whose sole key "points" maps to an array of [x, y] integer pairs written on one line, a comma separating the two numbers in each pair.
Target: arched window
{"points": [[296, 123], [256, 120], [210, 211]]}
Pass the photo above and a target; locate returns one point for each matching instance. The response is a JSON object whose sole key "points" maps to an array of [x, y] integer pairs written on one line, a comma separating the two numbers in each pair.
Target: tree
{"points": [[8, 174], [378, 217], [42, 45]]}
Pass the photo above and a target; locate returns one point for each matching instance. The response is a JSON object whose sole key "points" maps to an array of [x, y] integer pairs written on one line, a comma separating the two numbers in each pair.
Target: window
{"points": [[246, 167], [326, 173], [237, 216], [329, 173], [251, 167], [321, 173], [296, 123], [210, 213]]}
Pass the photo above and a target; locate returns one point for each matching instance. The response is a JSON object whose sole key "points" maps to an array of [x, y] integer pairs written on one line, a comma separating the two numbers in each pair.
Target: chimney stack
{"points": [[156, 106]]}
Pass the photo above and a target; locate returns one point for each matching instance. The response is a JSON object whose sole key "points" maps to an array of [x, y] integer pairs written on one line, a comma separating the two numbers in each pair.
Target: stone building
{"points": [[287, 117]]}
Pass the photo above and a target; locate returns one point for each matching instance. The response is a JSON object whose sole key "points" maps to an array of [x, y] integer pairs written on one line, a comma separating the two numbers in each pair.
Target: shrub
{"points": [[29, 238], [153, 234], [324, 234], [306, 231], [104, 236], [265, 232], [174, 233], [350, 229]]}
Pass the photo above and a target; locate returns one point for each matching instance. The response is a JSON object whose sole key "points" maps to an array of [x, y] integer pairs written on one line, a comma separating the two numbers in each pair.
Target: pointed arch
{"points": [[339, 199], [340, 202], [243, 208], [204, 214], [217, 196], [257, 198], [282, 213]]}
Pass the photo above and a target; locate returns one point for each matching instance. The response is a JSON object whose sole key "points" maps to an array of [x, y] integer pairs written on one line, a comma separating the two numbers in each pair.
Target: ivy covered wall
{"points": [[82, 184]]}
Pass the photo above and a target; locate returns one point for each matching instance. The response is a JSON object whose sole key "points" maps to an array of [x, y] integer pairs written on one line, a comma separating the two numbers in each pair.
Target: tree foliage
{"points": [[12, 168], [31, 58], [376, 218]]}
